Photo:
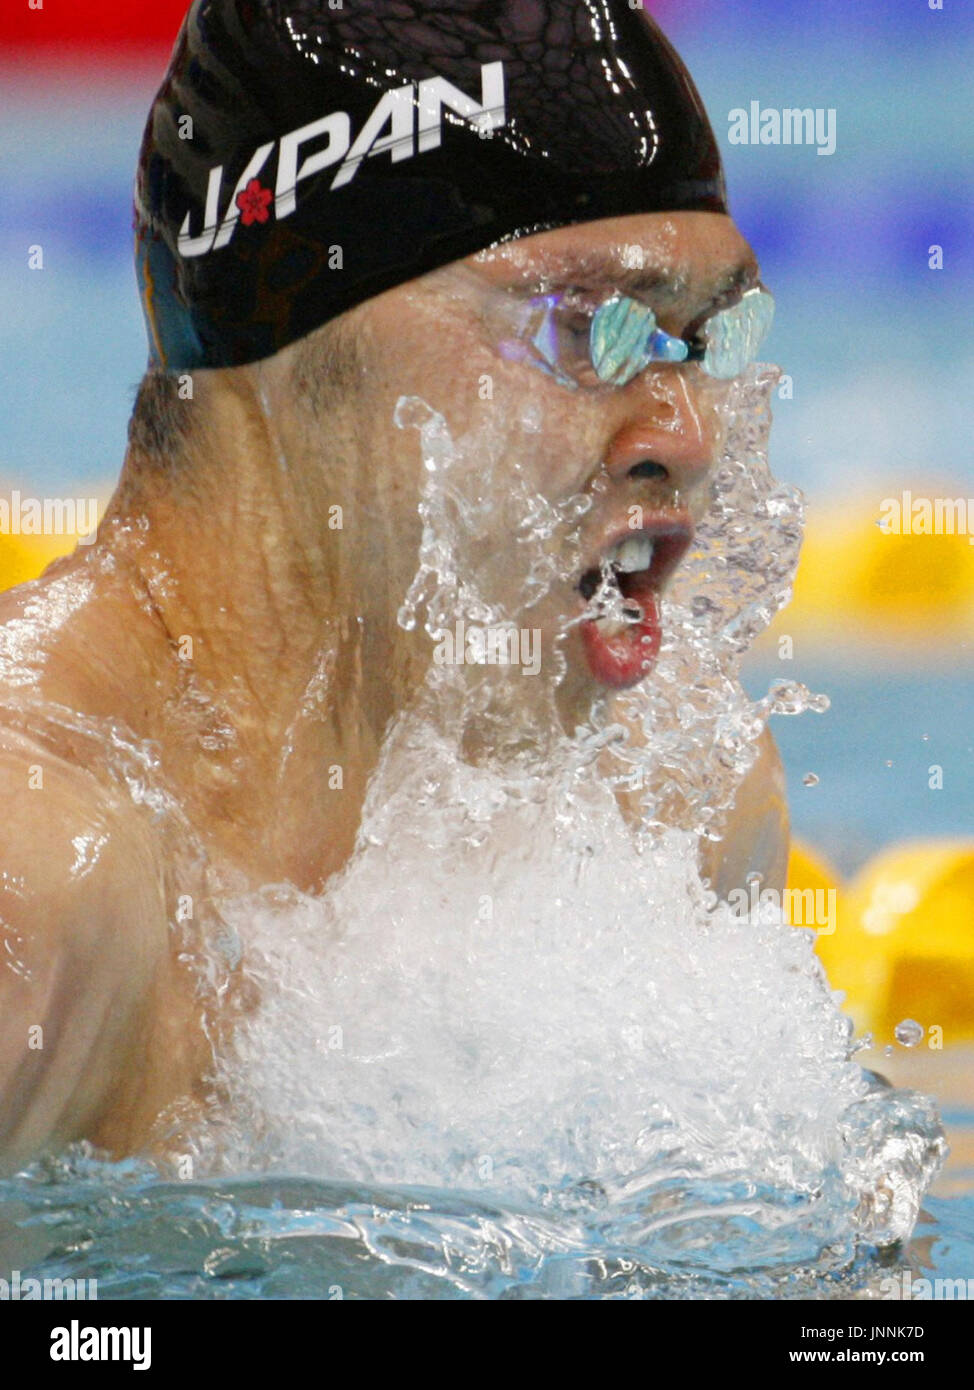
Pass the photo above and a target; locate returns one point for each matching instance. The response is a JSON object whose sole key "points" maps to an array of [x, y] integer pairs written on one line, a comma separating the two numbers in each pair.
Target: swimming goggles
{"points": [[583, 345]]}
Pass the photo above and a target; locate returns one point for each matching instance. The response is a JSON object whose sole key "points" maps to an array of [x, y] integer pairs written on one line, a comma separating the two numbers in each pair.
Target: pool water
{"points": [[887, 723], [145, 1238]]}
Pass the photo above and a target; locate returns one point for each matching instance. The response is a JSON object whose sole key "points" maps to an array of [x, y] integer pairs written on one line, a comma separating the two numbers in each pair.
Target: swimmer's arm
{"points": [[756, 831], [83, 936]]}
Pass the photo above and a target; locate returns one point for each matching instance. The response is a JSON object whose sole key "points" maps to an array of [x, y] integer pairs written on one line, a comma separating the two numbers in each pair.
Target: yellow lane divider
{"points": [[903, 945]]}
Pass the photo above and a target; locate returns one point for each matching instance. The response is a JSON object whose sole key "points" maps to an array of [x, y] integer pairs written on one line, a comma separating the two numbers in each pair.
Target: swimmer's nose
{"points": [[669, 440]]}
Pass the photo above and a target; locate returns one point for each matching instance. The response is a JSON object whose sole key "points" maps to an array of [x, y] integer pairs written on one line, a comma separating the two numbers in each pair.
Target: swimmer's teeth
{"points": [[634, 555], [631, 555], [609, 627]]}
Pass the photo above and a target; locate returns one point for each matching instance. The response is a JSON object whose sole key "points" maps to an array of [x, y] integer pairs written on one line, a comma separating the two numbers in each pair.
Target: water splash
{"points": [[514, 996], [517, 1048]]}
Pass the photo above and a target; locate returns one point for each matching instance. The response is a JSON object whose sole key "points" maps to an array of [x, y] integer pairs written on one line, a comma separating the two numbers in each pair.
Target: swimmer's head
{"points": [[342, 210], [303, 156]]}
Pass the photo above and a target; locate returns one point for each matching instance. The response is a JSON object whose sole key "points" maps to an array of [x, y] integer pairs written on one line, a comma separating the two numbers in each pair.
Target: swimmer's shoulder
{"points": [[58, 637], [756, 833], [83, 943]]}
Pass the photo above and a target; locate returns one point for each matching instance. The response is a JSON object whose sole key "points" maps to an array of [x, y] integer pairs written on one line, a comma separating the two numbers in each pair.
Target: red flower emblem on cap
{"points": [[254, 202]]}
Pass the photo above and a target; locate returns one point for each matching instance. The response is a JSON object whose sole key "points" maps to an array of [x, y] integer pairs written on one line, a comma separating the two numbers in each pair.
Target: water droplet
{"points": [[909, 1033], [412, 412], [810, 779]]}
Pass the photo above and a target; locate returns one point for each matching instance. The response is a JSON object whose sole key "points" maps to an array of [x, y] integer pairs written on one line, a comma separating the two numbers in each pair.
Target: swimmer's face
{"points": [[642, 453]]}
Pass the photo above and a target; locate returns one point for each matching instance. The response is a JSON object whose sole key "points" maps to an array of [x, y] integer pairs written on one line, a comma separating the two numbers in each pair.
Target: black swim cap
{"points": [[302, 156]]}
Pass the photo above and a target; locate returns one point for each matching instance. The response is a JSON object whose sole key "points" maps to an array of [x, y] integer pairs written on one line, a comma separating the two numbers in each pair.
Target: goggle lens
{"points": [[733, 337], [625, 338]]}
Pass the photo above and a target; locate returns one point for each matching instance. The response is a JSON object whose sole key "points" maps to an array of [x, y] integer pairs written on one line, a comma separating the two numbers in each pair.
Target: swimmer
{"points": [[337, 208]]}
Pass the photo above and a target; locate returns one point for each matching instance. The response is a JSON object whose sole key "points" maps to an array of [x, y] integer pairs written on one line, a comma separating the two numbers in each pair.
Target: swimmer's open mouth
{"points": [[621, 630]]}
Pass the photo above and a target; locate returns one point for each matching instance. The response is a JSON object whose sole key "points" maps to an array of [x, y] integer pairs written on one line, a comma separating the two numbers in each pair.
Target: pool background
{"points": [[877, 345]]}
